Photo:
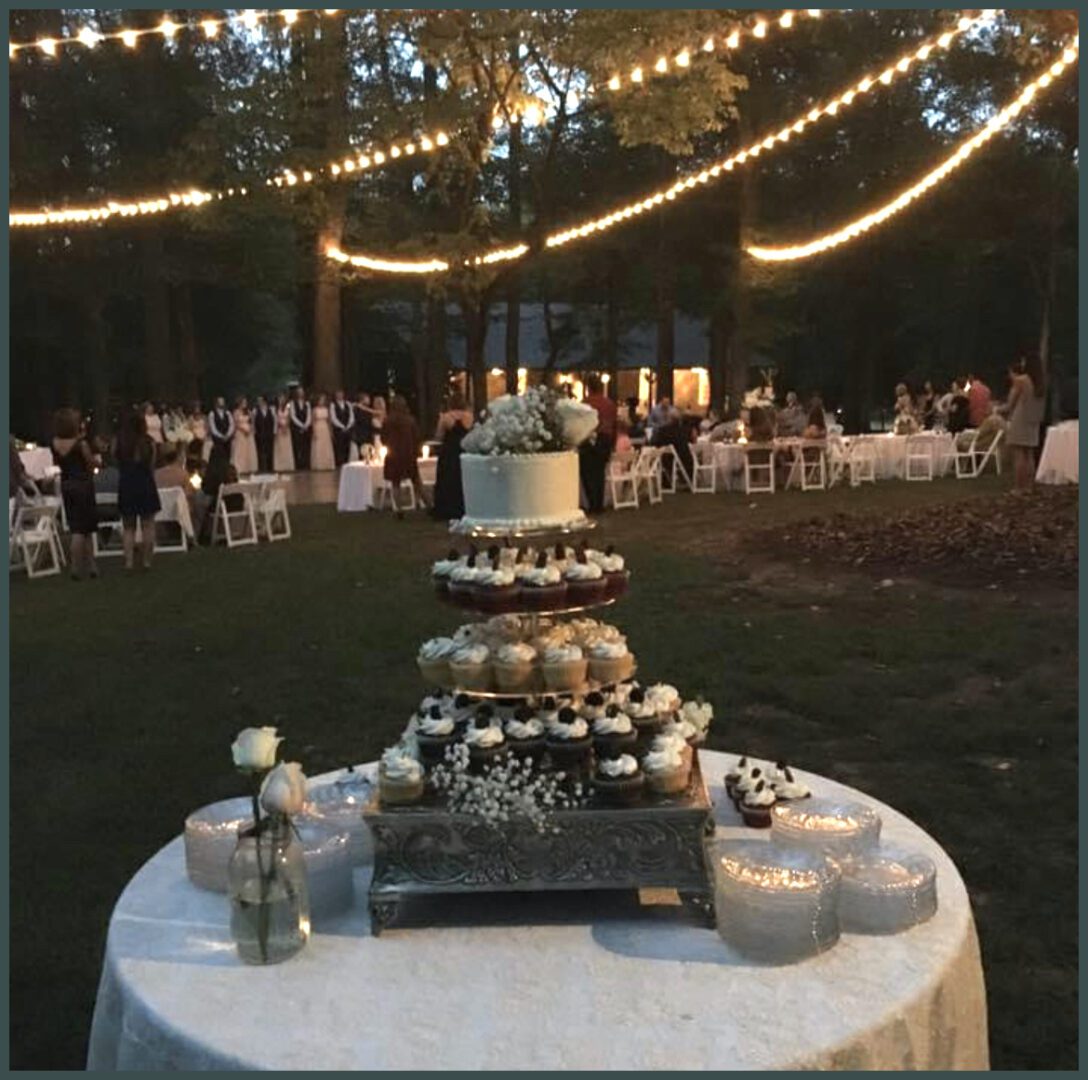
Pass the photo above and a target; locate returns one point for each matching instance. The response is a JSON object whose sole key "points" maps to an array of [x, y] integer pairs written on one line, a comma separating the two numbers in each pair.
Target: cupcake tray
{"points": [[423, 852], [472, 532], [564, 609], [490, 695]]}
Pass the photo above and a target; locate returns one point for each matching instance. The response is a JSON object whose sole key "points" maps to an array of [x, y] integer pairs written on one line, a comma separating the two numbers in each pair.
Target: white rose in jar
{"points": [[284, 789], [254, 749]]}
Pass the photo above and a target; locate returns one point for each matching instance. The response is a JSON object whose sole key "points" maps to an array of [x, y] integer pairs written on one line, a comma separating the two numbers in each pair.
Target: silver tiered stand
{"points": [[425, 851]]}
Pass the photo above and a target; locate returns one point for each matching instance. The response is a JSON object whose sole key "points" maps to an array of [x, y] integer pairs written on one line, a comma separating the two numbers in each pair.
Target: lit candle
{"points": [[426, 451]]}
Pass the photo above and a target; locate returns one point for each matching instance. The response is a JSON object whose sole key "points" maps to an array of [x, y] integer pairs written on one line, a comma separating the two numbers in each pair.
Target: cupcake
{"points": [[440, 573], [593, 705], [613, 733], [495, 590], [616, 575], [542, 586], [664, 698], [434, 731], [610, 661], [462, 710], [733, 777], [618, 780], [547, 709], [698, 714], [585, 581], [442, 698], [434, 660], [756, 805], [564, 667], [666, 771], [785, 787], [622, 691], [569, 743], [525, 734], [485, 742], [746, 783], [643, 715], [463, 580], [514, 668], [470, 667], [671, 737], [400, 778]]}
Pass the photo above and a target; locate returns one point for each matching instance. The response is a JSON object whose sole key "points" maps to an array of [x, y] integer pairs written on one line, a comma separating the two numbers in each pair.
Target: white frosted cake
{"points": [[519, 492]]}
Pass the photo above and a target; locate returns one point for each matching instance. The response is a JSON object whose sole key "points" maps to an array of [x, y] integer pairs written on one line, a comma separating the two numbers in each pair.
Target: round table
{"points": [[1059, 462], [360, 480], [890, 452], [647, 990]]}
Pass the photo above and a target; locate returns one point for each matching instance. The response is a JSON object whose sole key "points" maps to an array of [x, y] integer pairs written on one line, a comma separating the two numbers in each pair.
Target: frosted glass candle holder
{"points": [[327, 854], [211, 835], [887, 890], [774, 904], [339, 805], [836, 828]]}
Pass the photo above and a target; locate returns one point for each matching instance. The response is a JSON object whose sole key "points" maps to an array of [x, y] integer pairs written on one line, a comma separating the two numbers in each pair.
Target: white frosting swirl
{"points": [[484, 736], [613, 725], [786, 787], [624, 765], [445, 567], [516, 652], [500, 577], [467, 575], [697, 713], [439, 648], [532, 728], [431, 725], [608, 650], [641, 710], [543, 575], [559, 654], [471, 654], [612, 564], [576, 729], [398, 765], [664, 759], [665, 698], [680, 730], [763, 797], [586, 571]]}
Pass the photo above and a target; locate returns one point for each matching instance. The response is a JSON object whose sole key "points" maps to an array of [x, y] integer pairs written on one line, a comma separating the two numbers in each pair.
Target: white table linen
{"points": [[360, 480], [38, 462], [175, 508], [890, 452], [1059, 462], [625, 993]]}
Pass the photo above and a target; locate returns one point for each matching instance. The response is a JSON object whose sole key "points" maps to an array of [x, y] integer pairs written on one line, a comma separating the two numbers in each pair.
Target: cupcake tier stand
{"points": [[424, 852]]}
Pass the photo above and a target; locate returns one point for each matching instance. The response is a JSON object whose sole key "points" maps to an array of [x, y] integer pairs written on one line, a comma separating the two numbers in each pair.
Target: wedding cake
{"points": [[519, 469]]}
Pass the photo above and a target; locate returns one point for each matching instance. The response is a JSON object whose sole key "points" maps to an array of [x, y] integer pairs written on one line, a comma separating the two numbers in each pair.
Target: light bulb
{"points": [[48, 46], [168, 28], [394, 152], [88, 37], [924, 52], [636, 75], [290, 16], [733, 40], [211, 28], [409, 148], [441, 138], [497, 121], [945, 40], [964, 23], [708, 45], [662, 65], [864, 85], [249, 18], [886, 76], [425, 144], [334, 168], [379, 158], [349, 165], [683, 58], [533, 115], [614, 83], [787, 20]]}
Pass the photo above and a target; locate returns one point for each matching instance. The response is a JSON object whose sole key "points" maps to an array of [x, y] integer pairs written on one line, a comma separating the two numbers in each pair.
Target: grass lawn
{"points": [[956, 704]]}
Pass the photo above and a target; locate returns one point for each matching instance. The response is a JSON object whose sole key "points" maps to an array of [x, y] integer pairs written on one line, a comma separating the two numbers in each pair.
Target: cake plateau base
{"points": [[425, 851]]}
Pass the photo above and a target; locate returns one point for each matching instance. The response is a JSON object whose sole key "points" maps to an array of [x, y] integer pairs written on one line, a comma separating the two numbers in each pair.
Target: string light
{"points": [[766, 143], [958, 157], [89, 38], [80, 215], [432, 265]]}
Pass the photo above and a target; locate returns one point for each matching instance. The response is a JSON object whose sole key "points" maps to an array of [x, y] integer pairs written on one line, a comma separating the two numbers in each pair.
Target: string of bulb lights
{"points": [[860, 226], [167, 29], [867, 84]]}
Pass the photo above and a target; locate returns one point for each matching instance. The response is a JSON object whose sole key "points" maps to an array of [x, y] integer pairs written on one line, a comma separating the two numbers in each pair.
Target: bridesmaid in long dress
{"points": [[283, 454], [453, 424], [321, 455], [154, 423], [243, 455]]}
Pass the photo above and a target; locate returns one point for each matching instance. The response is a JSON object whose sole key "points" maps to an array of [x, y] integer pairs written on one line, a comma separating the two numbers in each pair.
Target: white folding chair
{"points": [[837, 456], [971, 463], [174, 515], [861, 463], [227, 518], [704, 469], [811, 459], [623, 481], [759, 474], [108, 537], [796, 475], [34, 543], [273, 520], [648, 473], [388, 494], [919, 458], [670, 469]]}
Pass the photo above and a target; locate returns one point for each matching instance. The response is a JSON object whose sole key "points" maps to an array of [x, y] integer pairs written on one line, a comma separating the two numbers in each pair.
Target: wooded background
{"points": [[237, 297]]}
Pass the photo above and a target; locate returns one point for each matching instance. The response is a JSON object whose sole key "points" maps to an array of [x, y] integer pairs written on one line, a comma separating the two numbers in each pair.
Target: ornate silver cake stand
{"points": [[425, 851]]}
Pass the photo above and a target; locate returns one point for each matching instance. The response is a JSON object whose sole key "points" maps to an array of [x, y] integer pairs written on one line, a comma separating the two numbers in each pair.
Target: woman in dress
{"points": [[137, 495], [243, 451], [77, 463], [453, 424], [321, 455], [378, 415], [401, 439], [283, 454], [200, 447], [1025, 408], [154, 423]]}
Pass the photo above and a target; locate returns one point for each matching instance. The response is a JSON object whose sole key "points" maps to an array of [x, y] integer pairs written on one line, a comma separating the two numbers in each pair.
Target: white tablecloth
{"points": [[623, 993], [37, 462], [891, 452], [1059, 462], [359, 483]]}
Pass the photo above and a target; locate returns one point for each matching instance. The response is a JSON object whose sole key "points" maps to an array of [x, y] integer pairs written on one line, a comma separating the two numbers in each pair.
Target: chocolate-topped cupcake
{"points": [[542, 587], [616, 574], [614, 733], [435, 731], [585, 581], [525, 734], [569, 744], [644, 716], [618, 780], [486, 742]]}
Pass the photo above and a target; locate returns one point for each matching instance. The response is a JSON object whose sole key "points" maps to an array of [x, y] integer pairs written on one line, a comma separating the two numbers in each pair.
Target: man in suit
{"points": [[363, 431], [302, 420], [221, 431], [342, 417], [264, 433]]}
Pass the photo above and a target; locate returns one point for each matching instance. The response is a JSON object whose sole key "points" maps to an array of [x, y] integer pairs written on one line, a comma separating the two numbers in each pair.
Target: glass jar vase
{"points": [[270, 906]]}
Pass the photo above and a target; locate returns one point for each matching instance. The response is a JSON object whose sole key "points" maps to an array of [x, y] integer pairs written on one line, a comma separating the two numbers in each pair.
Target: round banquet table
{"points": [[890, 452], [1059, 462], [359, 482], [645, 990]]}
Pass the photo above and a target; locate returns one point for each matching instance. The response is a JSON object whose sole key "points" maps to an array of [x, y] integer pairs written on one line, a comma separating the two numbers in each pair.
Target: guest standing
{"points": [[979, 400], [363, 431], [221, 430], [244, 451], [302, 420], [198, 425], [593, 455], [453, 424], [958, 415], [1025, 409], [137, 495], [264, 433], [378, 414], [927, 405], [401, 438], [72, 453], [343, 420], [154, 423], [321, 447], [283, 455]]}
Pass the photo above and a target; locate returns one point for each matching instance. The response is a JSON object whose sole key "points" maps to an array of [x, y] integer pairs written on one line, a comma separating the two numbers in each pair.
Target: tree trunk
{"points": [[612, 324], [188, 373], [157, 382], [513, 291], [665, 308], [739, 354], [437, 360], [95, 369], [475, 312]]}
